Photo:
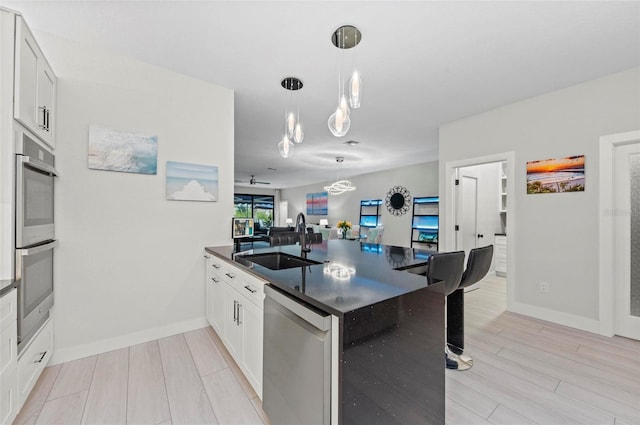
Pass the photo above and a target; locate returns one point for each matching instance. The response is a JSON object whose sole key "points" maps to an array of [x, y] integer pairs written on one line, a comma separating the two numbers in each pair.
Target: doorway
{"points": [[494, 198]]}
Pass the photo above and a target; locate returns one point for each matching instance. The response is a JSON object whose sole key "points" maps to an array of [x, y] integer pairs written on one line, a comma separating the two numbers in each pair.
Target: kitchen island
{"points": [[390, 333]]}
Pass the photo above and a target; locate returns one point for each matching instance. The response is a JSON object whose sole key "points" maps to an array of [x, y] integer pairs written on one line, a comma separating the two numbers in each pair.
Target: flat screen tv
{"points": [[241, 227]]}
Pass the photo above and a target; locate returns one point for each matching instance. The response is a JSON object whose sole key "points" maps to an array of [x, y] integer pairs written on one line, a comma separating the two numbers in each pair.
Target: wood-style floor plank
{"points": [[205, 354], [65, 410], [457, 414], [188, 400], [107, 400], [505, 416], [33, 405], [147, 401], [75, 376], [228, 399]]}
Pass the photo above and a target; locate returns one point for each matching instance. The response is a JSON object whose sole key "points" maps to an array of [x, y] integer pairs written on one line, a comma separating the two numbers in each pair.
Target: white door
{"points": [[627, 240], [467, 214]]}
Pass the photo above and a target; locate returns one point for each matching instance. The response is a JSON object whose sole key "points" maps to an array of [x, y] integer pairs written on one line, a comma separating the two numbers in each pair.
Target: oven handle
{"points": [[37, 164], [37, 249]]}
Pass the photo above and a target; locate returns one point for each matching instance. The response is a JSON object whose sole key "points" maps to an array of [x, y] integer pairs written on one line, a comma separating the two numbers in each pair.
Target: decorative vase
{"points": [[344, 233]]}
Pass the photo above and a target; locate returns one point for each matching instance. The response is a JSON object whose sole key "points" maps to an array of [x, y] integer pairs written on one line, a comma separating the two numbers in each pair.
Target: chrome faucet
{"points": [[301, 226]]}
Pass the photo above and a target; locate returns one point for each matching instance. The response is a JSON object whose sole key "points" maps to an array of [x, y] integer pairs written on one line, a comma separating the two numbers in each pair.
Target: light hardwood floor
{"points": [[526, 371]]}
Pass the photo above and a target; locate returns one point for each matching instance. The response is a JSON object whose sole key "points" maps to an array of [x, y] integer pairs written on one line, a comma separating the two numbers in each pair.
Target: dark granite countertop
{"points": [[352, 274]]}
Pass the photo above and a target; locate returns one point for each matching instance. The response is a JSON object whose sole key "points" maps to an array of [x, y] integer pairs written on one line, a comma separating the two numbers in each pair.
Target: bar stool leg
{"points": [[454, 351]]}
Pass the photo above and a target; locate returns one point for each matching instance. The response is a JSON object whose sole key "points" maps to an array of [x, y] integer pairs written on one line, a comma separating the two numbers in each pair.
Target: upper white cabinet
{"points": [[35, 86]]}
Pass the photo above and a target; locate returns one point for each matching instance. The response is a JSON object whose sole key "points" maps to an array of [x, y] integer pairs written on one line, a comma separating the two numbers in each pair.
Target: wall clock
{"points": [[398, 200]]}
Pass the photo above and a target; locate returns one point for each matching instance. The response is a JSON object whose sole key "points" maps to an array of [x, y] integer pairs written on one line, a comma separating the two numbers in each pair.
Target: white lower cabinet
{"points": [[8, 396], [33, 359], [235, 310], [8, 358]]}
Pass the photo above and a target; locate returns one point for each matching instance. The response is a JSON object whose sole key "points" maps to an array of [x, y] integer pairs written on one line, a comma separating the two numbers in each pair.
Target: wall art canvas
{"points": [[556, 175], [318, 203], [191, 182], [120, 150]]}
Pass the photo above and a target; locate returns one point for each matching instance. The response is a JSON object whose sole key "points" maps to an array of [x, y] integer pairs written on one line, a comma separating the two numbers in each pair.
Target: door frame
{"points": [[606, 286], [448, 226]]}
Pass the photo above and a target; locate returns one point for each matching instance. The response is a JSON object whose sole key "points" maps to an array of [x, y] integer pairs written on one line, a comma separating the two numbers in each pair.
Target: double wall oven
{"points": [[35, 233]]}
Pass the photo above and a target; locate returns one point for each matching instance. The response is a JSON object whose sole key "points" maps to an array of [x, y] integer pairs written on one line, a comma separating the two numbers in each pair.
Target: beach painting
{"points": [[191, 182], [556, 175], [124, 151]]}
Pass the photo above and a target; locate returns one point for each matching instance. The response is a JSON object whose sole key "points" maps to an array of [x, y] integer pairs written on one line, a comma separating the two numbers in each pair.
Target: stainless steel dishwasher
{"points": [[297, 361]]}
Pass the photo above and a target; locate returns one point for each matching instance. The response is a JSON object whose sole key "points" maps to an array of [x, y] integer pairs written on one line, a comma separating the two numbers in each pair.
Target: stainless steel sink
{"points": [[420, 269], [278, 260]]}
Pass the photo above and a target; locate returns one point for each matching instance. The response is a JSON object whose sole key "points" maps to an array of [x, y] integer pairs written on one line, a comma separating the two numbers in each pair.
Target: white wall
{"points": [[129, 266], [420, 180], [555, 236]]}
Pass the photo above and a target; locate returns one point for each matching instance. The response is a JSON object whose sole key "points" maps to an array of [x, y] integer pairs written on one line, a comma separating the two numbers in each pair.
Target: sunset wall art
{"points": [[556, 175]]}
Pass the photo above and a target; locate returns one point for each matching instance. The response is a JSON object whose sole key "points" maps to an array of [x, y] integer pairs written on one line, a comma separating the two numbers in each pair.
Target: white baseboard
{"points": [[62, 355], [558, 317]]}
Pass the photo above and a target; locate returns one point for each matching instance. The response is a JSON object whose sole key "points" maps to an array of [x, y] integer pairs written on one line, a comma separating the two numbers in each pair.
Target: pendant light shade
{"points": [[291, 124], [285, 147], [298, 134], [355, 88], [339, 123]]}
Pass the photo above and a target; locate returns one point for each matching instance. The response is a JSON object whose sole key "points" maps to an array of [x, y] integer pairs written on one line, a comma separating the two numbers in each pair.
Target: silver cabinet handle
{"points": [[215, 266], [41, 357], [44, 117], [48, 119], [250, 289], [238, 322], [230, 275], [215, 280], [235, 311], [207, 257]]}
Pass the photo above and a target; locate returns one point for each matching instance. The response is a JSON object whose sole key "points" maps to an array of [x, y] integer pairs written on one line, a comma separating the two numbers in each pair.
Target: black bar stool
{"points": [[478, 265], [446, 266]]}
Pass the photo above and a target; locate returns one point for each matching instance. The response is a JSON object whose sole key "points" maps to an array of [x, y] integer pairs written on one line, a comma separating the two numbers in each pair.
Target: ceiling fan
{"points": [[252, 180]]}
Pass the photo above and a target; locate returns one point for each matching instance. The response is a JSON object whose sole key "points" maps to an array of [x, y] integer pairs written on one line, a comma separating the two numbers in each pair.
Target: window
{"points": [[258, 207]]}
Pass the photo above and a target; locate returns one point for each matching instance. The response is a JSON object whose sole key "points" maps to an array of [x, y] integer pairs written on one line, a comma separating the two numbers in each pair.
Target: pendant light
{"points": [[345, 37], [341, 185], [292, 126]]}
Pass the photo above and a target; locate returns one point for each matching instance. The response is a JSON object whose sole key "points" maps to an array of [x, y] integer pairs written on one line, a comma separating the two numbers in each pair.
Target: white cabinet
{"points": [[33, 360], [8, 361], [34, 87], [500, 255], [234, 308]]}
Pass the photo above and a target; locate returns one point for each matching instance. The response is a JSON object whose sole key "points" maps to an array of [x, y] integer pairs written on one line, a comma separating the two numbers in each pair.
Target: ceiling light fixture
{"points": [[340, 186], [345, 37], [292, 126]]}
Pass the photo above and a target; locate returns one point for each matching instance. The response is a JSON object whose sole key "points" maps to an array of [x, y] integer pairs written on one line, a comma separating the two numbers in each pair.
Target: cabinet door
{"points": [[26, 79], [35, 86], [217, 315], [47, 100], [252, 333], [233, 322]]}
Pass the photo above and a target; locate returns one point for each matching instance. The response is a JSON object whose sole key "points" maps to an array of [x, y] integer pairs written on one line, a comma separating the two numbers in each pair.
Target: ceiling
{"points": [[423, 64]]}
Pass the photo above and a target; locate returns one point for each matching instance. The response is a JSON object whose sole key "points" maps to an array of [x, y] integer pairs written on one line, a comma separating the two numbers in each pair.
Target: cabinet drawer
{"points": [[8, 396], [246, 284], [33, 360], [8, 309], [8, 346]]}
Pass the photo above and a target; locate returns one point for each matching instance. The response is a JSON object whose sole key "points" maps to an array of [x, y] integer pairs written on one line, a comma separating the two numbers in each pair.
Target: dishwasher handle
{"points": [[318, 319]]}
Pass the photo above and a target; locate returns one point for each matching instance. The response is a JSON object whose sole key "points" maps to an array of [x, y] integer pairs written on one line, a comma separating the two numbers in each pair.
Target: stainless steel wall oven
{"points": [[35, 233]]}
